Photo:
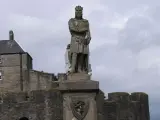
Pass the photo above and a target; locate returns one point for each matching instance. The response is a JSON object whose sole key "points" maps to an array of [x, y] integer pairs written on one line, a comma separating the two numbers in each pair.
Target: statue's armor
{"points": [[68, 62], [79, 29]]}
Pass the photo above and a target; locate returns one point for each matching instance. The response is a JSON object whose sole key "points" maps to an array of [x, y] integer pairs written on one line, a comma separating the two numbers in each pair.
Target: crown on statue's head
{"points": [[78, 8]]}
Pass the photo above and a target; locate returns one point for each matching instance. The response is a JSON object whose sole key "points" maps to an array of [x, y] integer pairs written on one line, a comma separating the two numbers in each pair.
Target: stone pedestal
{"points": [[78, 76], [81, 85], [73, 102], [79, 98]]}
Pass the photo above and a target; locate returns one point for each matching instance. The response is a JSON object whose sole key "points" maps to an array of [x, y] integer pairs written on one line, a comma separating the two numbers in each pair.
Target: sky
{"points": [[125, 45]]}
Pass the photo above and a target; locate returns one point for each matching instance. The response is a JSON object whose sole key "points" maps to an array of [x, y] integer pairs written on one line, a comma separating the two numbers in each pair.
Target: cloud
{"points": [[125, 39]]}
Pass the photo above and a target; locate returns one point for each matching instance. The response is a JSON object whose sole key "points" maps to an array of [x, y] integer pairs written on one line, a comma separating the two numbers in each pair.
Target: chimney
{"points": [[11, 35]]}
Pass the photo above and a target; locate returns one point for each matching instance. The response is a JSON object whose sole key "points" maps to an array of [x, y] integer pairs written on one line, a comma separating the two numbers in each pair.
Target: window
{"points": [[0, 75]]}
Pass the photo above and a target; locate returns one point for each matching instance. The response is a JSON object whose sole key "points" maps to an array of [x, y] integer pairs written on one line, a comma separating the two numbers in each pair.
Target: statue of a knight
{"points": [[80, 39]]}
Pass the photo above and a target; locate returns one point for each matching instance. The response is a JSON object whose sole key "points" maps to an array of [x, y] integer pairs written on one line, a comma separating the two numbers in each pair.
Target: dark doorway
{"points": [[24, 118]]}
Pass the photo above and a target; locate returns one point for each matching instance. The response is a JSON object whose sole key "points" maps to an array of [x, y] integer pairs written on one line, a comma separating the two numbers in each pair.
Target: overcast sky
{"points": [[125, 46]]}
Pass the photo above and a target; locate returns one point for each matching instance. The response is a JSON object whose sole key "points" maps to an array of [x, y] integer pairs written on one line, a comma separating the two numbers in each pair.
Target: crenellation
{"points": [[133, 105], [144, 106], [111, 109], [39, 80]]}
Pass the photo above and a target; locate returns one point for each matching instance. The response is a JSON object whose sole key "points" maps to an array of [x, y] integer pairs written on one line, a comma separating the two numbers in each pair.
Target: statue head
{"points": [[78, 12]]}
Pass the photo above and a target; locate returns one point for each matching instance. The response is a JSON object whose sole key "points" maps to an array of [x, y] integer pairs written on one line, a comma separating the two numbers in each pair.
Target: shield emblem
{"points": [[79, 108]]}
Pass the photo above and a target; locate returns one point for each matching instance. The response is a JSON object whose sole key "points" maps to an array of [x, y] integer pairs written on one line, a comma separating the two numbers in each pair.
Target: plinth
{"points": [[78, 76], [79, 95]]}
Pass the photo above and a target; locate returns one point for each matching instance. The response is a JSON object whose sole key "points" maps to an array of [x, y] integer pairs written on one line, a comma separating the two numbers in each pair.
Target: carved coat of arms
{"points": [[79, 108]]}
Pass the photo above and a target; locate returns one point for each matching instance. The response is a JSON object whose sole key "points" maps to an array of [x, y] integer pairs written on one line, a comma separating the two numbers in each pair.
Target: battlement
{"points": [[39, 80], [124, 96], [135, 105]]}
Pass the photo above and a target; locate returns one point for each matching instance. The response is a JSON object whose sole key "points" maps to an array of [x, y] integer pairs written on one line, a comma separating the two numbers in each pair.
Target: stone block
{"points": [[79, 85], [62, 76], [144, 104], [73, 102], [78, 76]]}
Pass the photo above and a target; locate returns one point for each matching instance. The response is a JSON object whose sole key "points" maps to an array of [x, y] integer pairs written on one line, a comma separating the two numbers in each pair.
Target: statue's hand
{"points": [[87, 41]]}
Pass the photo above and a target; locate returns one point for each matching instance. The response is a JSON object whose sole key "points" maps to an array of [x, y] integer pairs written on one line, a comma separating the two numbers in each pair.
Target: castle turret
{"points": [[144, 104]]}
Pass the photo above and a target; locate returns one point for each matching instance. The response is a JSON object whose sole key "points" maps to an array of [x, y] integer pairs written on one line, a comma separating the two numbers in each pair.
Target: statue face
{"points": [[78, 14]]}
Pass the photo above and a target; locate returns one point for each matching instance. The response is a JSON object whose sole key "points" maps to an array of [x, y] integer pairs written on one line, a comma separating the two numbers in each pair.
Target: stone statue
{"points": [[80, 39], [68, 61], [11, 35]]}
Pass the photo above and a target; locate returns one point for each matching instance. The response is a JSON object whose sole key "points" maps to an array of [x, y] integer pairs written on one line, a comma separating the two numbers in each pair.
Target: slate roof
{"points": [[10, 47]]}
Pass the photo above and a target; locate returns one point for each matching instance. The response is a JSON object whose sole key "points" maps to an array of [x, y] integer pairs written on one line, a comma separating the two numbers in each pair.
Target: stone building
{"points": [[16, 72], [27, 94]]}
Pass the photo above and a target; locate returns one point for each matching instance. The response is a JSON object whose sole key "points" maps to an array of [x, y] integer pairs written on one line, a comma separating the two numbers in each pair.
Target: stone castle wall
{"points": [[35, 105], [10, 69], [48, 105], [122, 105], [39, 105], [38, 80], [39, 101]]}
